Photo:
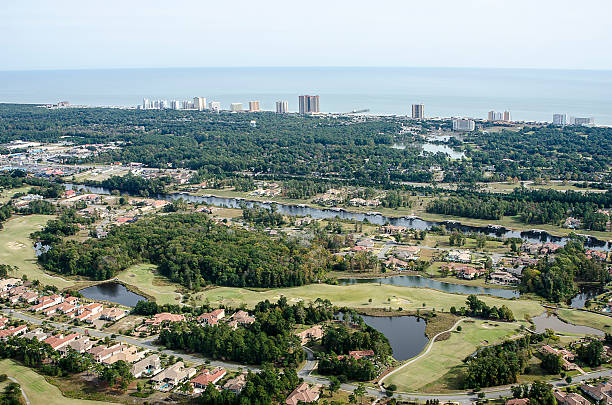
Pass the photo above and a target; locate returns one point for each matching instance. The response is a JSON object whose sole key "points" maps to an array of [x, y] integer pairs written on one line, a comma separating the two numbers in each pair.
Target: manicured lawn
{"points": [[16, 249], [439, 369], [143, 277], [602, 322], [357, 296], [38, 390]]}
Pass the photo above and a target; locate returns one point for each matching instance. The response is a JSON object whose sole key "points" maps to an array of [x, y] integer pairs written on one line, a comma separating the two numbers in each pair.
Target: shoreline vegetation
{"points": [[506, 223]]}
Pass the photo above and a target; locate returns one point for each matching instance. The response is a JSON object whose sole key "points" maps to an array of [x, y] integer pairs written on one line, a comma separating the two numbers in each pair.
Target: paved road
{"points": [[306, 371], [25, 397], [146, 344]]}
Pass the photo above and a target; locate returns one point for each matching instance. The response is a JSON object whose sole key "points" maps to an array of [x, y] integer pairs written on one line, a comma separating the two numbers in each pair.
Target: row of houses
{"points": [[600, 393]]}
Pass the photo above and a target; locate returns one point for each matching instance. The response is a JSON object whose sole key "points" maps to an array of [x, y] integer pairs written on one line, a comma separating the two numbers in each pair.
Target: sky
{"points": [[90, 34]]}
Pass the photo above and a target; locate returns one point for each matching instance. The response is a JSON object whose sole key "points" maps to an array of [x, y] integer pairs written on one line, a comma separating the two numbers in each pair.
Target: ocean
{"points": [[529, 94]]}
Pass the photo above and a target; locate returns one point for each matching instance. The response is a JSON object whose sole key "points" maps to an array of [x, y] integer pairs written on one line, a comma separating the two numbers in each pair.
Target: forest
{"points": [[556, 279], [531, 206], [194, 251], [284, 147]]}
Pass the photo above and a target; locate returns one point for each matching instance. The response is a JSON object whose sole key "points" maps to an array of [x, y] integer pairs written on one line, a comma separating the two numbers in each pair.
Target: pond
{"points": [[586, 293], [548, 321], [418, 281], [433, 148], [112, 292], [406, 334]]}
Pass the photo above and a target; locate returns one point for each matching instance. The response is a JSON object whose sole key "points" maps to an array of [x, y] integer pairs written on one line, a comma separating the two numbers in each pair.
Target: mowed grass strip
{"points": [[358, 296], [598, 321], [16, 249], [38, 390], [145, 278], [432, 372]]}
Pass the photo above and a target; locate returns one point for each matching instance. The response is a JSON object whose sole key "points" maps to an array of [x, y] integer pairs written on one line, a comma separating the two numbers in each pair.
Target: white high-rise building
{"points": [[214, 106], [175, 105], [235, 107], [146, 103], [163, 104], [463, 124], [199, 103], [559, 119], [282, 107]]}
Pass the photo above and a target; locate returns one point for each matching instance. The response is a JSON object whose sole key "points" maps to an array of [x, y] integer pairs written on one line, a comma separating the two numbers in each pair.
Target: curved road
{"points": [[306, 371]]}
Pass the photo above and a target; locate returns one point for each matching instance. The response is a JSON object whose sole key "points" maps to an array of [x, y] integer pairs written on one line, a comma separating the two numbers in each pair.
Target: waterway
{"points": [[112, 292], [533, 236], [423, 282]]}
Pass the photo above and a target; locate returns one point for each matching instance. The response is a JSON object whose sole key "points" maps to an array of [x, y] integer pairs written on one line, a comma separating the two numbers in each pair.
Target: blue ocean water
{"points": [[528, 93]]}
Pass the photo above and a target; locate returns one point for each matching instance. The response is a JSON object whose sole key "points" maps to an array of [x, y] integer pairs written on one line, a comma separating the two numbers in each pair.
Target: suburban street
{"points": [[309, 366]]}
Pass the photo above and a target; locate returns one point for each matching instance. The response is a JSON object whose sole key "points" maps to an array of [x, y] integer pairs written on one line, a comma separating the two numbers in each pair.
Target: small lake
{"points": [[548, 321], [112, 292], [406, 334], [418, 281], [433, 148]]}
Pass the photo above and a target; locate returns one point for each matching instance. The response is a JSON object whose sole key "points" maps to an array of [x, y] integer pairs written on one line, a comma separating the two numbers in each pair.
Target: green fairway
{"points": [[358, 296], [16, 249], [438, 370], [143, 277], [38, 390]]}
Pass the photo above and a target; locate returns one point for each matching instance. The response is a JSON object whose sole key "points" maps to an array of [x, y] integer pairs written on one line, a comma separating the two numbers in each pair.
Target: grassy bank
{"points": [[440, 369], [16, 249], [38, 390], [145, 280]]}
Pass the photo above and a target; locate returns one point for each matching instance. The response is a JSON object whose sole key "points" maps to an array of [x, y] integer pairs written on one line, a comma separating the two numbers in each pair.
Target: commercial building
{"points": [[559, 119], [418, 111], [308, 104], [282, 107], [463, 124], [214, 106], [175, 105], [146, 104], [235, 107], [199, 103], [254, 106], [582, 121]]}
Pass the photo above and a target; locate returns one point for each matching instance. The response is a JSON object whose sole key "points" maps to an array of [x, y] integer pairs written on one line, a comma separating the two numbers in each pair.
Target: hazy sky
{"points": [[58, 34]]}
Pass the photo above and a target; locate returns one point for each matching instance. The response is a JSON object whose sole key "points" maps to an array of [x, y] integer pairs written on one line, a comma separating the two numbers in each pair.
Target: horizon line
{"points": [[304, 67]]}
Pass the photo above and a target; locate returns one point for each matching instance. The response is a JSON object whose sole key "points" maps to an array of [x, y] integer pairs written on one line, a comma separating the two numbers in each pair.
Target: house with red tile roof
{"points": [[517, 401], [12, 331], [304, 393], [212, 318], [59, 341], [158, 319], [206, 377]]}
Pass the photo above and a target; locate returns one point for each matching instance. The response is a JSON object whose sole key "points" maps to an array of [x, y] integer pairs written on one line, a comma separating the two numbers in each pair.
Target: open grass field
{"points": [[16, 249], [38, 390], [438, 370], [597, 321], [144, 277], [357, 296], [6, 194]]}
